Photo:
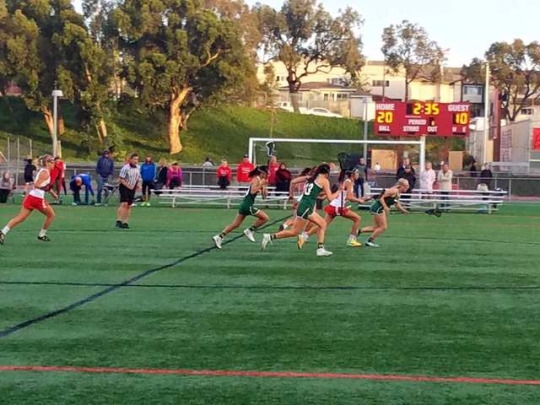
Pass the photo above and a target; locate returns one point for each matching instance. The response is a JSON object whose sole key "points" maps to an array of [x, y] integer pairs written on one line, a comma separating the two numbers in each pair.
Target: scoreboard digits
{"points": [[422, 118]]}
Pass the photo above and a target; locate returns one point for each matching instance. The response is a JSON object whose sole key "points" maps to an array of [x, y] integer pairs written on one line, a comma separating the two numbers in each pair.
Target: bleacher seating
{"points": [[455, 200], [213, 195]]}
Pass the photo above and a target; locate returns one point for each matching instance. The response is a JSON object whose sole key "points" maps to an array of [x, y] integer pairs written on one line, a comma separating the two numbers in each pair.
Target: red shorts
{"points": [[336, 211], [34, 203]]}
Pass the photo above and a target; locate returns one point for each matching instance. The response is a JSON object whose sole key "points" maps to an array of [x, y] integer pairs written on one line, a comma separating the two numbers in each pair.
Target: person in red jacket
{"points": [[244, 168], [273, 167], [224, 175]]}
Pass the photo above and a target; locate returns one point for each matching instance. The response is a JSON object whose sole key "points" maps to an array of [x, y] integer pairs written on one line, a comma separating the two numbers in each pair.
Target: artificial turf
{"points": [[456, 296]]}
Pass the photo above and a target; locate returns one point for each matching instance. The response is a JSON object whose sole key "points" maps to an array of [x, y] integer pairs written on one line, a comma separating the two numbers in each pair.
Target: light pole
{"points": [[56, 93], [486, 115], [365, 127]]}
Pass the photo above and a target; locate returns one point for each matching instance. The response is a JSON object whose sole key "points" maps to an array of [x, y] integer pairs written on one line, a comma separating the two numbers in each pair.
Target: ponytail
{"points": [[321, 169], [257, 171]]}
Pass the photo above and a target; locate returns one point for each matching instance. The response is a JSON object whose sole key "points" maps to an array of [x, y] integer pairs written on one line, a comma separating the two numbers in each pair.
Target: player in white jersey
{"points": [[35, 200], [338, 208]]}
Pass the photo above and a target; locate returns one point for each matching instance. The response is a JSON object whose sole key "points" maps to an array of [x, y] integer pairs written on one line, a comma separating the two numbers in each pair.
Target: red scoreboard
{"points": [[422, 118]]}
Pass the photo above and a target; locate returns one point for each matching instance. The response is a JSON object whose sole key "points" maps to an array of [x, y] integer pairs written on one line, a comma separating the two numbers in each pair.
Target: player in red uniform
{"points": [[35, 200]]}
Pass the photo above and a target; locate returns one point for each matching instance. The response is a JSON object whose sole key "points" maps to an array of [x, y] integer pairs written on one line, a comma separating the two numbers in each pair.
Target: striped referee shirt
{"points": [[130, 174]]}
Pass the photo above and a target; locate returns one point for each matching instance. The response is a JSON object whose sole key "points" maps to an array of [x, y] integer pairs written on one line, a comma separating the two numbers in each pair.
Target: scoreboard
{"points": [[422, 118]]}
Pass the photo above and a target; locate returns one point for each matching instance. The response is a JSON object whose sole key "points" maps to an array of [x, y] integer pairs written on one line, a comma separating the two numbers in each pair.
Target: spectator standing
{"points": [[208, 162], [362, 170], [76, 183], [377, 168], [29, 170], [161, 176], [473, 171], [409, 175], [130, 177], [283, 178], [406, 162], [486, 176], [7, 185], [104, 170], [273, 167], [427, 179], [243, 170], [174, 176], [445, 182], [60, 183], [224, 175], [148, 175], [56, 179]]}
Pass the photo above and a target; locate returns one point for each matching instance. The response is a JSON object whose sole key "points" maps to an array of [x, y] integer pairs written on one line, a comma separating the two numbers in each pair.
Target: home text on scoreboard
{"points": [[422, 118]]}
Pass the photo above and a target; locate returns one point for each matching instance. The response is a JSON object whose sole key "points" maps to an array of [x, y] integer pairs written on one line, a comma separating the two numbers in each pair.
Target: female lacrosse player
{"points": [[338, 207], [297, 183], [35, 200], [306, 210], [381, 208], [258, 178]]}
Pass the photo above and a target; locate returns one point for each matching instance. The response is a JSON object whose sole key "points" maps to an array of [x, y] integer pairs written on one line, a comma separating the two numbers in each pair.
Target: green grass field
{"points": [[456, 296]]}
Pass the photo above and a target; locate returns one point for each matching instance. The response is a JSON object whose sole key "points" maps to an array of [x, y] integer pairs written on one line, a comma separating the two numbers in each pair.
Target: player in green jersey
{"points": [[305, 211], [247, 207], [380, 209]]}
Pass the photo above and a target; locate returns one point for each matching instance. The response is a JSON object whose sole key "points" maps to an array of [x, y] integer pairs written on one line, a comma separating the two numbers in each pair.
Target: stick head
{"points": [[343, 159]]}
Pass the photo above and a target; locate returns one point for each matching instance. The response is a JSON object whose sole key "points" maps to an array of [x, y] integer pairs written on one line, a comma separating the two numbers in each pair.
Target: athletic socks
{"points": [[222, 235], [320, 246], [252, 228], [5, 230], [371, 239], [273, 236]]}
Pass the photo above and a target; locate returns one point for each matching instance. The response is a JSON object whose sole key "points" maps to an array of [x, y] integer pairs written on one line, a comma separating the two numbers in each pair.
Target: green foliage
{"points": [[307, 39], [407, 46], [179, 56], [515, 72]]}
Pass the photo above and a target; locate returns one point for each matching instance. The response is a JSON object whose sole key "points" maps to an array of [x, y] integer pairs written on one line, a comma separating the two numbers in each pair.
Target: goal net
{"points": [[311, 152]]}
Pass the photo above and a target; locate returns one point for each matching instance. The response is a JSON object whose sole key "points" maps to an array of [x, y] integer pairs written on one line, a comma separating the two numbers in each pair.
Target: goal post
{"points": [[421, 143]]}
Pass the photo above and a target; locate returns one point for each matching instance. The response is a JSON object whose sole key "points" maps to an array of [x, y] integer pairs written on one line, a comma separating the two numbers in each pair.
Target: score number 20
{"points": [[385, 117]]}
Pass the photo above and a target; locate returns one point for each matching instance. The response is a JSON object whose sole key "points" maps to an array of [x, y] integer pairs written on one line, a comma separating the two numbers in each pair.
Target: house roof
{"points": [[308, 86]]}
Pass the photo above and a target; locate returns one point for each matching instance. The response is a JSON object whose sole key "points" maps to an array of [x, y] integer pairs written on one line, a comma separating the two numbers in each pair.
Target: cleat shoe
{"points": [[353, 243], [44, 238], [437, 213], [2, 238], [300, 242], [266, 240], [371, 244], [323, 252], [217, 241], [118, 224], [249, 235], [125, 225]]}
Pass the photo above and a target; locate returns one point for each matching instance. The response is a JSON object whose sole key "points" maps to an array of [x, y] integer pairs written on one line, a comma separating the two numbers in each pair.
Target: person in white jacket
{"points": [[445, 182], [427, 179]]}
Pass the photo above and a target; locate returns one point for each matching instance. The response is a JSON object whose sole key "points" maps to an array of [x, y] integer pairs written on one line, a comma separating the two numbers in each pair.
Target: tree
{"points": [[407, 46], [47, 46], [179, 56], [307, 39], [514, 71]]}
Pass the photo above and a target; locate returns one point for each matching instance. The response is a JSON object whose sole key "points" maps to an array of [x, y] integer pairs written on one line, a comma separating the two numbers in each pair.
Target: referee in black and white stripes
{"points": [[130, 177]]}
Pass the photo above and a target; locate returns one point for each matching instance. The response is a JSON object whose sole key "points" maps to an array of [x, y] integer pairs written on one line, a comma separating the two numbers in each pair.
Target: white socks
{"points": [[5, 230], [42, 233]]}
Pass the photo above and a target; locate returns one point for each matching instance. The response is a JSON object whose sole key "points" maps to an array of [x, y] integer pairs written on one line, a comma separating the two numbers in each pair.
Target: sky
{"points": [[465, 27]]}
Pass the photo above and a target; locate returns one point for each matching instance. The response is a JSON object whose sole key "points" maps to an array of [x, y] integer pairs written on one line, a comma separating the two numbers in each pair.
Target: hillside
{"points": [[218, 133]]}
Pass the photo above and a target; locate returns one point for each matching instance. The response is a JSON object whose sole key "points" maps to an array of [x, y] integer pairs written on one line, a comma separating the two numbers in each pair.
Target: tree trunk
{"points": [[176, 120], [101, 129], [49, 119]]}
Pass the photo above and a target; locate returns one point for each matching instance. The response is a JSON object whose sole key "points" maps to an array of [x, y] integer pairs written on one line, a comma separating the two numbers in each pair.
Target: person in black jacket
{"points": [[161, 175], [408, 174]]}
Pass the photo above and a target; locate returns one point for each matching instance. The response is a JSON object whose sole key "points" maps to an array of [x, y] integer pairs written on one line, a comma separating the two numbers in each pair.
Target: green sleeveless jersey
{"points": [[377, 207], [311, 193]]}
